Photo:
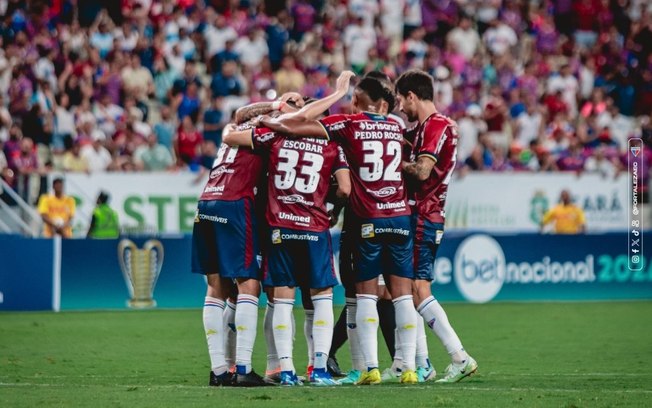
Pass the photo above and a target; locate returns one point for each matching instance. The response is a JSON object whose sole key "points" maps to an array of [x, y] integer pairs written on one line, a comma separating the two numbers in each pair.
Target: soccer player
{"points": [[225, 247], [299, 251], [430, 168], [372, 144]]}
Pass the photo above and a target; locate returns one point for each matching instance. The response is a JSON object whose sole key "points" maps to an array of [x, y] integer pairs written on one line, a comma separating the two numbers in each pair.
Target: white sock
{"points": [[366, 319], [246, 323], [437, 320], [283, 332], [214, 329], [422, 343], [268, 327], [229, 328], [397, 363], [357, 359], [322, 330], [406, 324], [308, 334]]}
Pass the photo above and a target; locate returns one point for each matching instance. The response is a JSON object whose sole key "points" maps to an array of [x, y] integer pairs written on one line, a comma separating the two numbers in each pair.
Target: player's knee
{"points": [[249, 287]]}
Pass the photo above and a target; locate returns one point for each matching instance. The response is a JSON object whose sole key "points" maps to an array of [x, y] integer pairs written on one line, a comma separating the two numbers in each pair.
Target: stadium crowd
{"points": [[148, 85]]}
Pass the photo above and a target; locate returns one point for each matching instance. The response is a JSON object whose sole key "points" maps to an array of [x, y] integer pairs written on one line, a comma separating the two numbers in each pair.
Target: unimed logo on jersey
{"points": [[479, 268]]}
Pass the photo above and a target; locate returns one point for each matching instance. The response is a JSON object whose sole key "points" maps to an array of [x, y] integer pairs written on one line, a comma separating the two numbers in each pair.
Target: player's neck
{"points": [[425, 109]]}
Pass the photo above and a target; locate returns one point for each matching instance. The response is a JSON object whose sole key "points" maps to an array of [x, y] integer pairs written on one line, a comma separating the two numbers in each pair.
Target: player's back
{"points": [[234, 175], [299, 174], [373, 147]]}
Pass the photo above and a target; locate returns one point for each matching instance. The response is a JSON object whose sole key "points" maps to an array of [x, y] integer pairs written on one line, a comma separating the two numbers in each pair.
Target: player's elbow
{"points": [[423, 176], [343, 191]]}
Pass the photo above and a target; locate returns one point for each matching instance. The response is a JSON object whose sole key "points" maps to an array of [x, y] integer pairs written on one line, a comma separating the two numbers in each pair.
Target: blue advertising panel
{"points": [[26, 273], [528, 267], [92, 276]]}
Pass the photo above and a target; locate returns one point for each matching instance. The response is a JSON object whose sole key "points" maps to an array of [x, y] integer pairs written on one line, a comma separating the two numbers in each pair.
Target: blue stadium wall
{"points": [[80, 274]]}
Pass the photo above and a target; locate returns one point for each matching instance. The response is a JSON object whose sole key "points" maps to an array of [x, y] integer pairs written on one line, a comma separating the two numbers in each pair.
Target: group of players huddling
{"points": [[263, 218]]}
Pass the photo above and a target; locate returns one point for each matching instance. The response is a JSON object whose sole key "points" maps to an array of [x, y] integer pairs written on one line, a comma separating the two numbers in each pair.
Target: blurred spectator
{"points": [[104, 221], [188, 142], [96, 156], [165, 129], [288, 78], [465, 39], [214, 122], [73, 160], [566, 216], [358, 39], [153, 156], [252, 49], [57, 211], [470, 126]]}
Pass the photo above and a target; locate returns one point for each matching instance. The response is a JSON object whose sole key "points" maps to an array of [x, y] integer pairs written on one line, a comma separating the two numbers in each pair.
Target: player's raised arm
{"points": [[289, 102], [303, 123]]}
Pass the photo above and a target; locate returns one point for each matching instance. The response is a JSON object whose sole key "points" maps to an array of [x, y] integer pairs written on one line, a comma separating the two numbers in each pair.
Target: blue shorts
{"points": [[225, 239], [427, 237], [384, 246], [298, 258]]}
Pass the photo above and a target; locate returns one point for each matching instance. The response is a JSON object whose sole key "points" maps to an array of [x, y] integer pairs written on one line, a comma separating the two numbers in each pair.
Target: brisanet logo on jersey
{"points": [[481, 269]]}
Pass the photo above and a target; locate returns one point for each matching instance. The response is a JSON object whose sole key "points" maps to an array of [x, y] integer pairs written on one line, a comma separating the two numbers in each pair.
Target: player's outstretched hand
{"points": [[293, 97], [343, 81]]}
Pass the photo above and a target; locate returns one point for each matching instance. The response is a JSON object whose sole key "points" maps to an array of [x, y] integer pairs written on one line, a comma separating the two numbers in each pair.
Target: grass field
{"points": [[530, 355]]}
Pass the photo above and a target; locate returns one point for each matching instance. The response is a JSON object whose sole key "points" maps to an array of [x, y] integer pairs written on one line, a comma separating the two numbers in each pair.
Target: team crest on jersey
{"points": [[276, 236], [439, 235], [367, 231]]}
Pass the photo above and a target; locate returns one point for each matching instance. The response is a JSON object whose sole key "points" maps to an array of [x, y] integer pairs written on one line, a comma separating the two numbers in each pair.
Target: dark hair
{"points": [[384, 79], [417, 82], [103, 197], [58, 180], [376, 90]]}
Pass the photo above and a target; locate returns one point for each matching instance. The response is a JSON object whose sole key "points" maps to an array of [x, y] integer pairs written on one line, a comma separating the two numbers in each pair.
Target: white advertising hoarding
{"points": [[166, 202]]}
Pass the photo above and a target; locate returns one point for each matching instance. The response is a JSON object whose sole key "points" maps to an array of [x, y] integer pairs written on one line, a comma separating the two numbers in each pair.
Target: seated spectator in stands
{"points": [[226, 82], [57, 211], [166, 128], [470, 126], [214, 122], [475, 161], [252, 49], [188, 102], [64, 123], [153, 156], [208, 152], [572, 159], [289, 78], [599, 163], [108, 115], [187, 142], [566, 216], [137, 81], [95, 154], [73, 161]]}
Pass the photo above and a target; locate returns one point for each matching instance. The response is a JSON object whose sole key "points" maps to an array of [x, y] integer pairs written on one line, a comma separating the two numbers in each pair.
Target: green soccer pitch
{"points": [[530, 355]]}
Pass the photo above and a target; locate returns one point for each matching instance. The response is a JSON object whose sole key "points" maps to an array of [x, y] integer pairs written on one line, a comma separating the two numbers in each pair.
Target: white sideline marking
{"points": [[567, 374], [460, 387]]}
